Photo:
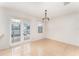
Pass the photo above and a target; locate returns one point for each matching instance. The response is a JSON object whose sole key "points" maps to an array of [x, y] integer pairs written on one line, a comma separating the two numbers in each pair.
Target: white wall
{"points": [[65, 29], [6, 15], [4, 41], [34, 30]]}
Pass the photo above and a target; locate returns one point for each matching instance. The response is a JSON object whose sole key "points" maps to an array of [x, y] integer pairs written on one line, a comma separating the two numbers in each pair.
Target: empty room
{"points": [[39, 28]]}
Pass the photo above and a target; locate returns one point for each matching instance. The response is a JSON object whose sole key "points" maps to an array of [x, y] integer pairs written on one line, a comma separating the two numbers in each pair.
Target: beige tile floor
{"points": [[45, 47]]}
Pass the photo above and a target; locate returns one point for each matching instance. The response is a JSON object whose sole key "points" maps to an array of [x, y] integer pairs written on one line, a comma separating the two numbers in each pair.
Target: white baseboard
{"points": [[36, 39], [24, 42], [63, 41]]}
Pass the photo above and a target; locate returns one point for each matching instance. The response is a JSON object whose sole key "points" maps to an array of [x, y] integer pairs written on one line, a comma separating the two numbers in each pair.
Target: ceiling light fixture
{"points": [[45, 17]]}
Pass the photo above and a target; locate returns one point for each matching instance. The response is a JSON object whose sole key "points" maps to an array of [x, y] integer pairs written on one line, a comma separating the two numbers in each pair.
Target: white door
{"points": [[20, 31], [15, 29], [26, 30]]}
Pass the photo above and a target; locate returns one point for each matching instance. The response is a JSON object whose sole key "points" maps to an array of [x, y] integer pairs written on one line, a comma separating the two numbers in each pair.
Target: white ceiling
{"points": [[37, 8]]}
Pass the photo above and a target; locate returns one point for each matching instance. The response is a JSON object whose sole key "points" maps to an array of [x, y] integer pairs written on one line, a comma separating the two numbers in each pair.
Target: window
{"points": [[40, 27]]}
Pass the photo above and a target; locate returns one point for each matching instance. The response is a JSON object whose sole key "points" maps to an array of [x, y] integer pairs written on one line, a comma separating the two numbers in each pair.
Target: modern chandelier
{"points": [[45, 17]]}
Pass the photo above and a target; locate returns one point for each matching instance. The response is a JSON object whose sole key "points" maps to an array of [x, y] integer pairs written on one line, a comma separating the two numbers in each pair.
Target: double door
{"points": [[20, 31]]}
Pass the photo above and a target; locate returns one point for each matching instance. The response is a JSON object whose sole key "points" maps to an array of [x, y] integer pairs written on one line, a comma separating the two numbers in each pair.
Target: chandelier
{"points": [[45, 17]]}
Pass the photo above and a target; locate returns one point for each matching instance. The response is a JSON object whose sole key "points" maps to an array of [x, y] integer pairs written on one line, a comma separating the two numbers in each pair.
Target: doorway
{"points": [[19, 31]]}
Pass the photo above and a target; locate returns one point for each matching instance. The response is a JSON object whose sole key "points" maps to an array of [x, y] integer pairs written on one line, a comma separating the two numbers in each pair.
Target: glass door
{"points": [[26, 30], [15, 31], [20, 31]]}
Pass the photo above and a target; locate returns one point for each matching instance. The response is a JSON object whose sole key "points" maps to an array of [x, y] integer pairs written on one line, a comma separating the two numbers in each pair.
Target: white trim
{"points": [[57, 39]]}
